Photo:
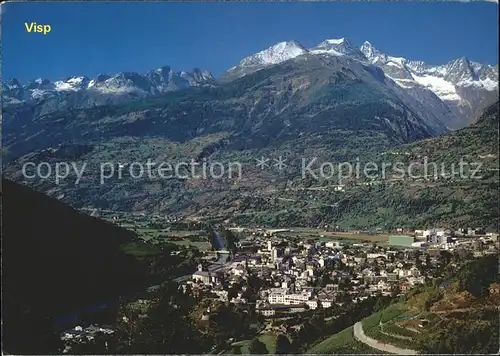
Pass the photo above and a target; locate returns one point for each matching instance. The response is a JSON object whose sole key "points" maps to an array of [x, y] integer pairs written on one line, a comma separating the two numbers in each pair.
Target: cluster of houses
{"points": [[302, 276], [353, 273], [80, 334], [298, 275]]}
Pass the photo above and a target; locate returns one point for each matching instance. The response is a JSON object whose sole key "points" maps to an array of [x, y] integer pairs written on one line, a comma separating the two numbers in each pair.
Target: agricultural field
{"points": [[179, 237], [379, 238], [322, 235], [201, 245], [140, 249]]}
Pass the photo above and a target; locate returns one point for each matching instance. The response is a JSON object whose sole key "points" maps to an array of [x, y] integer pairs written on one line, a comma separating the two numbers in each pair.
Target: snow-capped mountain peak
{"points": [[13, 83], [460, 70], [456, 90], [157, 81], [370, 51], [375, 56], [164, 69], [102, 77], [338, 47], [200, 75], [72, 84], [275, 54], [462, 85], [336, 41]]}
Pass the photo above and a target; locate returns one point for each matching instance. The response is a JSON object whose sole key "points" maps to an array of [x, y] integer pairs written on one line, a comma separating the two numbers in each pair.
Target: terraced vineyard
{"points": [[342, 343], [462, 316], [378, 333], [397, 331], [383, 327]]}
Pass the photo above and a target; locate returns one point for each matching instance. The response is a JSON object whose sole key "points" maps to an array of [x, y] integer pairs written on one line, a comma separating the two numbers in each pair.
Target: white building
{"points": [[372, 256], [333, 244], [419, 244], [222, 294], [283, 297], [326, 303], [276, 253], [312, 304]]}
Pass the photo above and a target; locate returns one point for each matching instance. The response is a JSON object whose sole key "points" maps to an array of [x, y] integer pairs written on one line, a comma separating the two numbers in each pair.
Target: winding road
{"points": [[359, 334]]}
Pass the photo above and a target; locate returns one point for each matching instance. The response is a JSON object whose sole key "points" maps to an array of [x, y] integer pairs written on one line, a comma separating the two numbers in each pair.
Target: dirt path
{"points": [[462, 310]]}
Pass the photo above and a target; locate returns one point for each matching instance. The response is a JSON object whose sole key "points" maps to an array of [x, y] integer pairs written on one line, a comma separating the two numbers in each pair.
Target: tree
{"points": [[325, 279], [445, 256], [318, 321], [395, 291], [166, 330], [30, 333], [257, 347], [418, 262], [380, 304], [233, 291], [236, 350], [282, 344]]}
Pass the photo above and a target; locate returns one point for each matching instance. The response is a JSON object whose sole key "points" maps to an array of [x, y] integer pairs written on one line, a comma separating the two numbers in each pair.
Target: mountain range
{"points": [[454, 91], [451, 93], [161, 80], [83, 92], [336, 102]]}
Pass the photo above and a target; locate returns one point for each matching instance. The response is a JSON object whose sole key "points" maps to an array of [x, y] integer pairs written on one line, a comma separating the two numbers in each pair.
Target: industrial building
{"points": [[439, 239], [401, 240], [419, 244], [437, 236]]}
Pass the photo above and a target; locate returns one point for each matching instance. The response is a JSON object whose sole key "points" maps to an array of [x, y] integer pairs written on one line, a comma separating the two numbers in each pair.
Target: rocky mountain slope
{"points": [[328, 106], [330, 102], [444, 195], [451, 93], [309, 96], [43, 96], [466, 87], [279, 198], [454, 92], [157, 81]]}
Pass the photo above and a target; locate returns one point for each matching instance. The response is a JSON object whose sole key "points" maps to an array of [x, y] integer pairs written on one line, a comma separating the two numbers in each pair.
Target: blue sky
{"points": [[92, 38]]}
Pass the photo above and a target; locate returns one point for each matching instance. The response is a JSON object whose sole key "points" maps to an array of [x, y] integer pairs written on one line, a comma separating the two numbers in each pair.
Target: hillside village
{"points": [[305, 276], [280, 275], [252, 178]]}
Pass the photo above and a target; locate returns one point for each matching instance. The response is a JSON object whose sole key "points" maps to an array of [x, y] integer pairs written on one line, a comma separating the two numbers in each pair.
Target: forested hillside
{"points": [[55, 260]]}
